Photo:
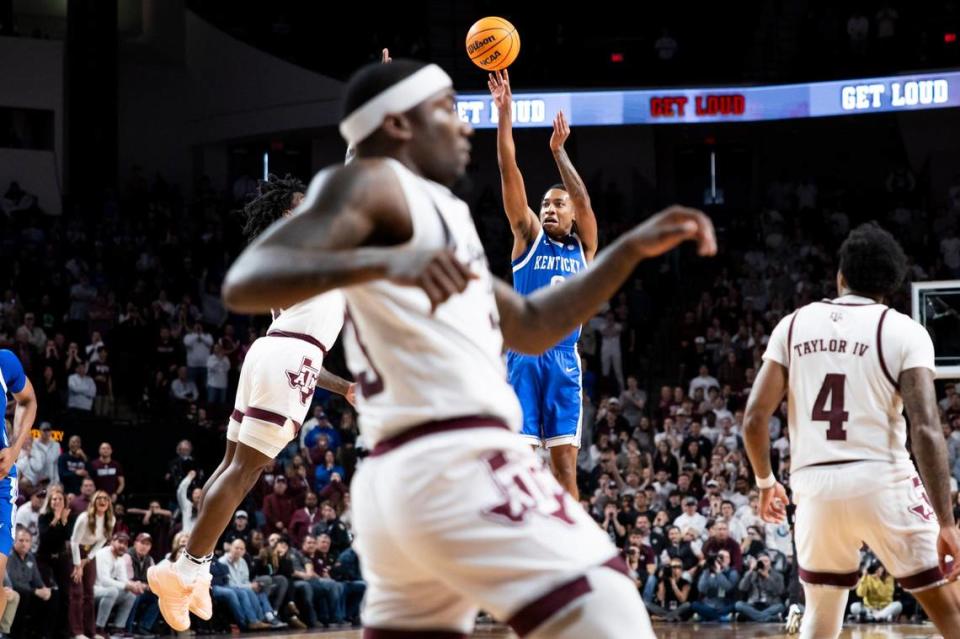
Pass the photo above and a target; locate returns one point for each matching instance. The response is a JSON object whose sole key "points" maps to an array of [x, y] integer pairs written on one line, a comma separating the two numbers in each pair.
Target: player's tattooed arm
{"points": [[359, 205], [576, 189], [523, 220], [340, 237], [926, 437], [536, 323]]}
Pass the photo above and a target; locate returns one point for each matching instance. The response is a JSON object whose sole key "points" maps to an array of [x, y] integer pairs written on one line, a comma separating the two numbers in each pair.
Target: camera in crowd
{"points": [[713, 561], [665, 573]]}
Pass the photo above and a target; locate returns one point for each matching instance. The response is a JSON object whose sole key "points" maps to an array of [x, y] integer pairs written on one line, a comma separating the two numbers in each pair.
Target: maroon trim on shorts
{"points": [[531, 616], [535, 613], [300, 336], [237, 415], [269, 416], [388, 633], [922, 579], [432, 428], [842, 580], [836, 463], [883, 363]]}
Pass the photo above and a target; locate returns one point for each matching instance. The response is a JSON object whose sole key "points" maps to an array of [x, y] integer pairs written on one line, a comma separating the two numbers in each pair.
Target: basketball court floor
{"points": [[683, 631]]}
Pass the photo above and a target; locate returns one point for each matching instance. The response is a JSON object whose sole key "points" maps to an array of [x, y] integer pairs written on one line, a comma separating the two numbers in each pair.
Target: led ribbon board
{"points": [[721, 104]]}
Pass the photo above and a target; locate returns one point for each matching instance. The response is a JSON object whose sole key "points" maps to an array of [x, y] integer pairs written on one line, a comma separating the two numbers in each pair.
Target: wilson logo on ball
{"points": [[479, 44], [492, 43]]}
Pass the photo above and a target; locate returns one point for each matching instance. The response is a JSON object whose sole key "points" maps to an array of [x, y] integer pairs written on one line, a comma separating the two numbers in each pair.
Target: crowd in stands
{"points": [[81, 554], [664, 471], [119, 324], [117, 318]]}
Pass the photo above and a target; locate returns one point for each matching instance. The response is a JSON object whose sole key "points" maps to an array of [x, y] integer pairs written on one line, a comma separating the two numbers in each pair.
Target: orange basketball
{"points": [[493, 43]]}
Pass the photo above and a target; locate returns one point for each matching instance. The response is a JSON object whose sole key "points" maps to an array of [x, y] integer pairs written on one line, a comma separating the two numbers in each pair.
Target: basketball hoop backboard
{"points": [[936, 305]]}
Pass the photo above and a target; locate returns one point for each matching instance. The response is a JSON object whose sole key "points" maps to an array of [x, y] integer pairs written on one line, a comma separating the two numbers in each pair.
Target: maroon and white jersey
{"points": [[319, 317], [413, 366], [844, 358]]}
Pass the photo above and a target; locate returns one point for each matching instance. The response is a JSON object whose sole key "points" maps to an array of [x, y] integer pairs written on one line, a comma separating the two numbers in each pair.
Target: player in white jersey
{"points": [[275, 391], [452, 510], [849, 366]]}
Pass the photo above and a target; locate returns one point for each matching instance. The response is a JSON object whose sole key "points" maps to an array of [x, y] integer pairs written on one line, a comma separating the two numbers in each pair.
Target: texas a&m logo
{"points": [[527, 487], [304, 380], [921, 506]]}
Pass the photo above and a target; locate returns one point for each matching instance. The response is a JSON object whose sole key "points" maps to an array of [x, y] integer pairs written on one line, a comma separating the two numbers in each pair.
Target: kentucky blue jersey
{"points": [[547, 262], [549, 386], [12, 380]]}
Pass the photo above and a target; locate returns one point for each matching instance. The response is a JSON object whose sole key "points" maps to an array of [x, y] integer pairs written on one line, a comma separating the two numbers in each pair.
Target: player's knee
{"points": [[243, 471], [612, 609], [823, 616], [564, 461], [566, 472]]}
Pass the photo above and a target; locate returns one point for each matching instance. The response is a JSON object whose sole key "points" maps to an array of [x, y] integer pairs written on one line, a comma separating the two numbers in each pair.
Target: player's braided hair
{"points": [[872, 261], [274, 198]]}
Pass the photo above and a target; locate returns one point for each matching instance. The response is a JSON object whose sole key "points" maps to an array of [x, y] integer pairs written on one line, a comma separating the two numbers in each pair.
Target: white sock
{"points": [[270, 616], [189, 567]]}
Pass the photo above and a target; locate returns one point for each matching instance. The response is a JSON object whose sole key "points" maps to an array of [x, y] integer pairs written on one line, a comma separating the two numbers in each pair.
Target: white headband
{"points": [[400, 97]]}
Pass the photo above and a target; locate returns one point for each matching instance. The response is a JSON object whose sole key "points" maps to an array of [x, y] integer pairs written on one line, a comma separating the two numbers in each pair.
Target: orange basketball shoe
{"points": [[173, 595], [200, 603]]}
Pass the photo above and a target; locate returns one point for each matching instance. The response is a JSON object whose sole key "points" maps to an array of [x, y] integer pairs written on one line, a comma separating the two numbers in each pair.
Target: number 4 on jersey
{"points": [[832, 389]]}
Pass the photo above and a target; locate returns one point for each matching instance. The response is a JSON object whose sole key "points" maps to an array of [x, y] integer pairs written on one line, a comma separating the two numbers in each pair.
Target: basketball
{"points": [[493, 43]]}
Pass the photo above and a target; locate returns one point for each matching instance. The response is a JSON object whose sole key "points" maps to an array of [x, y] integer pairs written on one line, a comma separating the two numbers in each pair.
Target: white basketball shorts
{"points": [[882, 504], [461, 515], [275, 391]]}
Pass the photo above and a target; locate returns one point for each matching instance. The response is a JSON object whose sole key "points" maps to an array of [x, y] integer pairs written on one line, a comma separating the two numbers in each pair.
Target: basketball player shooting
{"points": [[547, 248], [452, 510], [849, 366], [274, 393]]}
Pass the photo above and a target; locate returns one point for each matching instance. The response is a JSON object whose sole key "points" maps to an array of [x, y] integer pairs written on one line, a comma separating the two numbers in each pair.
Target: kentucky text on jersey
{"points": [[828, 346], [555, 263], [548, 262]]}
